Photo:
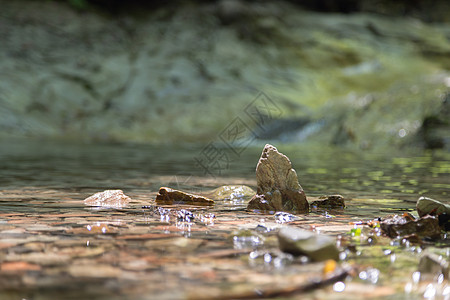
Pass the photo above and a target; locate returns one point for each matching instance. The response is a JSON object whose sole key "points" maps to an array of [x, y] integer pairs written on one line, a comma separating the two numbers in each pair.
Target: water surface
{"points": [[51, 245]]}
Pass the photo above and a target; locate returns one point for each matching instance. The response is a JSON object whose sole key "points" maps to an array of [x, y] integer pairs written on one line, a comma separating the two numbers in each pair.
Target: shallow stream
{"points": [[54, 247]]}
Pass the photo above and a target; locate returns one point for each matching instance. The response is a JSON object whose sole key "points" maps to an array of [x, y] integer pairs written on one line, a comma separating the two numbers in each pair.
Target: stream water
{"points": [[54, 247]]}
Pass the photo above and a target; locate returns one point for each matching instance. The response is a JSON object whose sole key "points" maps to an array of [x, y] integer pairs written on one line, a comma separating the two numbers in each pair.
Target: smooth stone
{"points": [[170, 196], [330, 201], [278, 186], [434, 264], [301, 242], [428, 206], [401, 226], [231, 192], [108, 199]]}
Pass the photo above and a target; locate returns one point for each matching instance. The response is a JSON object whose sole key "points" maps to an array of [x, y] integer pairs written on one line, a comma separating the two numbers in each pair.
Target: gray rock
{"points": [[428, 206], [301, 242], [278, 186]]}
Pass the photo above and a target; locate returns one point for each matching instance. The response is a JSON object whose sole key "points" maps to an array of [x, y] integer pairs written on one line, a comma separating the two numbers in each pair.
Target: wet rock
{"points": [[283, 217], [278, 186], [434, 264], [231, 192], [170, 196], [331, 201], [108, 199], [301, 242], [406, 225], [428, 206]]}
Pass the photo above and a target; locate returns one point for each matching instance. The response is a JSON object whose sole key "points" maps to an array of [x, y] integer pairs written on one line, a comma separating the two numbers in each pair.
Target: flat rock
{"points": [[401, 226], [428, 206], [302, 242], [170, 196], [108, 199], [278, 186], [330, 201]]}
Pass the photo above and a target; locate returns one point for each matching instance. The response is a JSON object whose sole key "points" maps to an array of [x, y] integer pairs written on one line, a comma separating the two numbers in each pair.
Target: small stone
{"points": [[278, 186], [331, 201], [434, 264], [108, 199], [170, 196], [231, 192], [428, 206], [401, 226], [301, 242]]}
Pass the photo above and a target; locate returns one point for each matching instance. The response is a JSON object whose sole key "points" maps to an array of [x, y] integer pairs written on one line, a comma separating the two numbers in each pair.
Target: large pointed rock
{"points": [[278, 186]]}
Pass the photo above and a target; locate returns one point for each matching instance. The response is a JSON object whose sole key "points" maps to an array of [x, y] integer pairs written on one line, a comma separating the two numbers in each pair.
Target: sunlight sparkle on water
{"points": [[339, 286]]}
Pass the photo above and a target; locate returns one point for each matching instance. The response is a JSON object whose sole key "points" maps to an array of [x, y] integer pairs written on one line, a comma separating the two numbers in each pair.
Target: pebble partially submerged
{"points": [[278, 186], [108, 199], [231, 193], [302, 242], [170, 196], [330, 201]]}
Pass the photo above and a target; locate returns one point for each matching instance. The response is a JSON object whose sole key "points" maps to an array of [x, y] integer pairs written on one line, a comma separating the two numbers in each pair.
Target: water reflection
{"points": [[43, 219]]}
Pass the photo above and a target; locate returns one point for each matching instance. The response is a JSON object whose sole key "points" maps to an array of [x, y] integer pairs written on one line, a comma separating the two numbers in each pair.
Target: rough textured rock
{"points": [[301, 242], [170, 196], [278, 186], [401, 226], [428, 206], [108, 199], [331, 201]]}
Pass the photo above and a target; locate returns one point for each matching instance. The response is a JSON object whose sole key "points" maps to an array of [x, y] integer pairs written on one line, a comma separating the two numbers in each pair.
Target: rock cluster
{"points": [[278, 186], [404, 226]]}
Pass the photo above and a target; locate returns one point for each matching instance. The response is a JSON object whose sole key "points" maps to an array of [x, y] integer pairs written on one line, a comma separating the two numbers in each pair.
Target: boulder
{"points": [[108, 199], [278, 188], [428, 206], [170, 196], [301, 242]]}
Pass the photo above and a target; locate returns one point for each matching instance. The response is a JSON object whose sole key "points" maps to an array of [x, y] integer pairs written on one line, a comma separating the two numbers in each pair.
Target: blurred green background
{"points": [[363, 74]]}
